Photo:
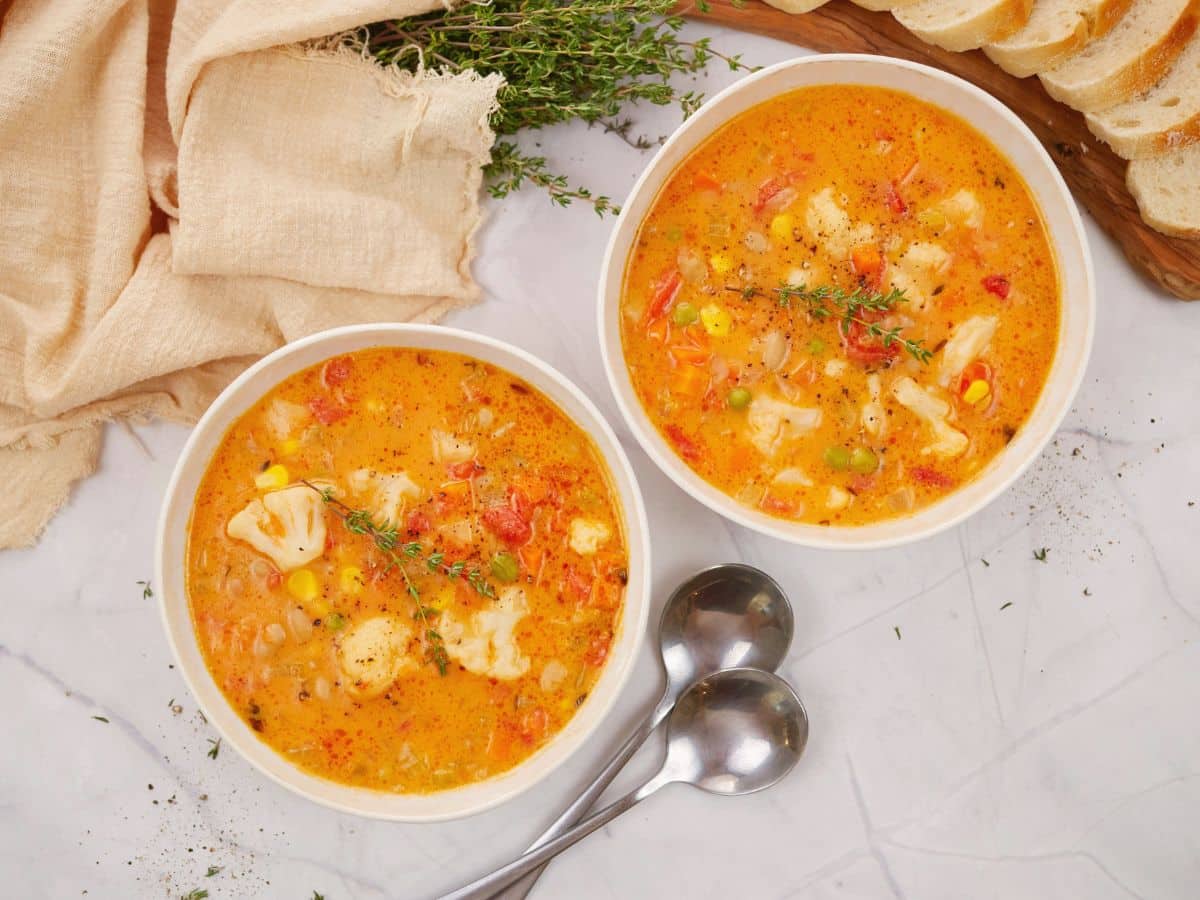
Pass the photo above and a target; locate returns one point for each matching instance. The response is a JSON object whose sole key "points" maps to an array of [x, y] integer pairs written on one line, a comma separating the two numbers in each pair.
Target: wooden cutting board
{"points": [[1094, 173]]}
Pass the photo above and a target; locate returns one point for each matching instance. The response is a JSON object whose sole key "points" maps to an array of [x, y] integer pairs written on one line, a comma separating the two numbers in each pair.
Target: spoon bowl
{"points": [[736, 732], [725, 617]]}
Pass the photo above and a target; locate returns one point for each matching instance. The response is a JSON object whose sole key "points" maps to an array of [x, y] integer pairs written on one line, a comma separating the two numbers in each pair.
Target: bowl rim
{"points": [[836, 537], [175, 515]]}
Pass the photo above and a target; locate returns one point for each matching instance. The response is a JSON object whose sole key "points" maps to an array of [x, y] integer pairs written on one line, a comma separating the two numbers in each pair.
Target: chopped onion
{"points": [[902, 500], [321, 688], [300, 623], [781, 201], [274, 633], [756, 242], [691, 265], [486, 417], [553, 675], [775, 351], [719, 368]]}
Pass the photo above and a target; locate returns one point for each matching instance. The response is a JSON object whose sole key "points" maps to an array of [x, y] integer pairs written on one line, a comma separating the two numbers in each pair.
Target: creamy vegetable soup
{"points": [[405, 569], [841, 306]]}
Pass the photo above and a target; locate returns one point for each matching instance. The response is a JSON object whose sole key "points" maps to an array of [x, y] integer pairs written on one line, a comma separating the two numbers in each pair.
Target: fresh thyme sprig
{"points": [[386, 536], [561, 61], [827, 300]]}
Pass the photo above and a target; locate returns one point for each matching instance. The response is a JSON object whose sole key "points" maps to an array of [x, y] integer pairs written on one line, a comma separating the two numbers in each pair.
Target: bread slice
{"points": [[796, 6], [963, 24], [1166, 116], [1167, 190], [1055, 30], [882, 5], [1129, 59]]}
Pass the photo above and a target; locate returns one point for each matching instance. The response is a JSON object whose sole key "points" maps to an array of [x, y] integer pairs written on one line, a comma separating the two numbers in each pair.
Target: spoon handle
{"points": [[490, 885], [587, 799]]}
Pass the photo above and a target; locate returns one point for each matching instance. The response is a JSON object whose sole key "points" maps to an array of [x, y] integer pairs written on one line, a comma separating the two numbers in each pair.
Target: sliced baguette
{"points": [[1055, 30], [1134, 55], [796, 6], [1166, 116], [963, 24], [1167, 190], [882, 5]]}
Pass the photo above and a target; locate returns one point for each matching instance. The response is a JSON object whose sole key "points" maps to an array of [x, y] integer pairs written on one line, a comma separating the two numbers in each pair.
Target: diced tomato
{"points": [[687, 448], [702, 181], [766, 191], [657, 330], [926, 475], [418, 522], [686, 353], [536, 489], [891, 196], [531, 559], [507, 524], [664, 293], [534, 725], [976, 371], [336, 371], [597, 651], [775, 504], [998, 285], [868, 264], [466, 469], [863, 347], [860, 483], [326, 411], [579, 585]]}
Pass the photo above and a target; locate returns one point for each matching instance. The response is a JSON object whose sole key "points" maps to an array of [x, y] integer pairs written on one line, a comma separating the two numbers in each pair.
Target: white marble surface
{"points": [[1047, 749]]}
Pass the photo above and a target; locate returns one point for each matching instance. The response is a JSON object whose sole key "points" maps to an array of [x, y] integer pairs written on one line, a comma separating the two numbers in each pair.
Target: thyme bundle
{"points": [[562, 61]]}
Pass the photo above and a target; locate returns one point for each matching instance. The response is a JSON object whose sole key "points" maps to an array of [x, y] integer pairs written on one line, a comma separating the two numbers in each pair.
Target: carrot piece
{"points": [[702, 181], [694, 356], [868, 263], [689, 380]]}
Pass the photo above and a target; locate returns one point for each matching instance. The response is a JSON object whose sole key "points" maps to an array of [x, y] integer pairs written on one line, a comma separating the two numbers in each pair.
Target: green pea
{"points": [[837, 457], [685, 313], [863, 461], [335, 621], [674, 233], [816, 346], [739, 398], [504, 567]]}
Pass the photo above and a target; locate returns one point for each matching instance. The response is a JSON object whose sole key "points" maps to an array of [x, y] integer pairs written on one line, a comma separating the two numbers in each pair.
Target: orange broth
{"points": [[307, 624], [775, 396]]}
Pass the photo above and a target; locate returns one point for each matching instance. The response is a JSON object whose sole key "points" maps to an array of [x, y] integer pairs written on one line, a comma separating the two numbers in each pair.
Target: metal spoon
{"points": [[734, 732], [726, 616]]}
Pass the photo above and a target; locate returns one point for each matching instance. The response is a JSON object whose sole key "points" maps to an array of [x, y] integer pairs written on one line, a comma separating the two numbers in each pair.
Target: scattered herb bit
{"points": [[1006, 606], [1086, 592], [215, 749], [197, 894], [101, 719], [387, 538], [896, 628], [1040, 555], [984, 561], [561, 62], [851, 307], [212, 870], [317, 896], [147, 591]]}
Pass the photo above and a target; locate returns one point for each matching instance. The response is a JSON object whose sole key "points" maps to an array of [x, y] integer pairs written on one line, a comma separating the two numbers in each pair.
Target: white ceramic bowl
{"points": [[1067, 237], [172, 543]]}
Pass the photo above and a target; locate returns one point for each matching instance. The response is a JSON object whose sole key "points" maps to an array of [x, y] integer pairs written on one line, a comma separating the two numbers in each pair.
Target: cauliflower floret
{"points": [[373, 653], [587, 536], [969, 340], [963, 209], [384, 493], [283, 418], [932, 410], [917, 271], [874, 419], [449, 449], [830, 224], [772, 422], [287, 525], [485, 644]]}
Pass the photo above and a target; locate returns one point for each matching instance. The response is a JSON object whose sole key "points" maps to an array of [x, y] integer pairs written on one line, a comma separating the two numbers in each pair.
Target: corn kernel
{"points": [[275, 476], [716, 321], [721, 263], [783, 227], [976, 391], [351, 580], [302, 584], [374, 405], [290, 447]]}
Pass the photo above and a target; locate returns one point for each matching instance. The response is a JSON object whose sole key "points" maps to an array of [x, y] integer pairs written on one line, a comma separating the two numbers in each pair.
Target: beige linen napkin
{"points": [[185, 187]]}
